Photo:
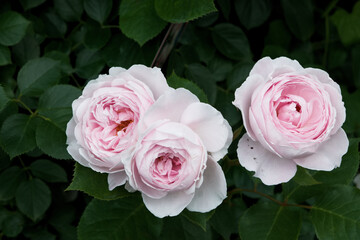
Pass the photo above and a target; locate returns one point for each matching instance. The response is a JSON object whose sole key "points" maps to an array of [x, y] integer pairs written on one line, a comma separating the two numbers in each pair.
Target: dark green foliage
{"points": [[49, 50]]}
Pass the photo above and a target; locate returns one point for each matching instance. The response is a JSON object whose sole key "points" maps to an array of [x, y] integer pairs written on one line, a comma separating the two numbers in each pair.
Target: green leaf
{"points": [[226, 217], [203, 78], [13, 224], [278, 34], [33, 198], [125, 218], [12, 176], [352, 105], [69, 10], [252, 13], [231, 41], [28, 4], [5, 56], [355, 56], [37, 75], [51, 139], [348, 25], [199, 219], [125, 54], [54, 26], [178, 11], [98, 10], [26, 50], [336, 214], [4, 99], [301, 25], [89, 63], [95, 184], [12, 28], [55, 104], [64, 60], [304, 178], [272, 221], [95, 36], [18, 134], [4, 160], [178, 82], [139, 21], [224, 105], [347, 170], [238, 75], [220, 68], [48, 171]]}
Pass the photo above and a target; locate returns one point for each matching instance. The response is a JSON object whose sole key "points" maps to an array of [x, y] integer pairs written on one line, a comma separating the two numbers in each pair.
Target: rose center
{"points": [[123, 125], [167, 168], [289, 112]]}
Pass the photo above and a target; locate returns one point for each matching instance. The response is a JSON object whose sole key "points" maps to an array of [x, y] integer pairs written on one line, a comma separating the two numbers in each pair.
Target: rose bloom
{"points": [[106, 115], [174, 164], [293, 116]]}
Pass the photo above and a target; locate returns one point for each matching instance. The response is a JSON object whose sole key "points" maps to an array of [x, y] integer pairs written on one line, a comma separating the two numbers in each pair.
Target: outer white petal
{"points": [[209, 124], [323, 77], [116, 70], [266, 66], [270, 168], [329, 154], [152, 77], [243, 99], [170, 205], [116, 179], [169, 106], [338, 104], [222, 152], [212, 191]]}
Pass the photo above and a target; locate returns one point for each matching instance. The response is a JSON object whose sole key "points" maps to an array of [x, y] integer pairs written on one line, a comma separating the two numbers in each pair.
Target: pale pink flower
{"points": [[174, 164], [293, 116], [106, 115]]}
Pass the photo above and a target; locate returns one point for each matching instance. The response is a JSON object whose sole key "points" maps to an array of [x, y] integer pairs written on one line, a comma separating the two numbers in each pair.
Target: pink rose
{"points": [[174, 163], [106, 115], [293, 116]]}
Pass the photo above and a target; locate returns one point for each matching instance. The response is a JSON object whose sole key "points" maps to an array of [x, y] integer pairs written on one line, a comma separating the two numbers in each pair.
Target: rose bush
{"points": [[106, 115], [293, 116], [174, 164]]}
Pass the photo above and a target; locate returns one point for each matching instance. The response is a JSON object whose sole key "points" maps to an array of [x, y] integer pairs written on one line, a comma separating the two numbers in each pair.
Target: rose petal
{"points": [[243, 99], [169, 106], [222, 152], [116, 179], [266, 65], [209, 124], [116, 71], [323, 77], [212, 191], [338, 104], [270, 168], [152, 77], [328, 156], [170, 205]]}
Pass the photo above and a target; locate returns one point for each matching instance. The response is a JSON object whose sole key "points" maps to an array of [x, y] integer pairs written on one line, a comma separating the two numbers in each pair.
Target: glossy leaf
{"points": [[98, 10], [12, 176], [125, 218], [272, 221], [139, 21], [252, 13], [89, 63], [336, 214], [95, 184], [4, 99], [12, 28], [231, 41], [69, 10], [299, 16], [37, 75], [33, 198], [48, 171], [17, 134], [55, 104], [51, 139], [178, 11], [5, 56], [177, 82]]}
